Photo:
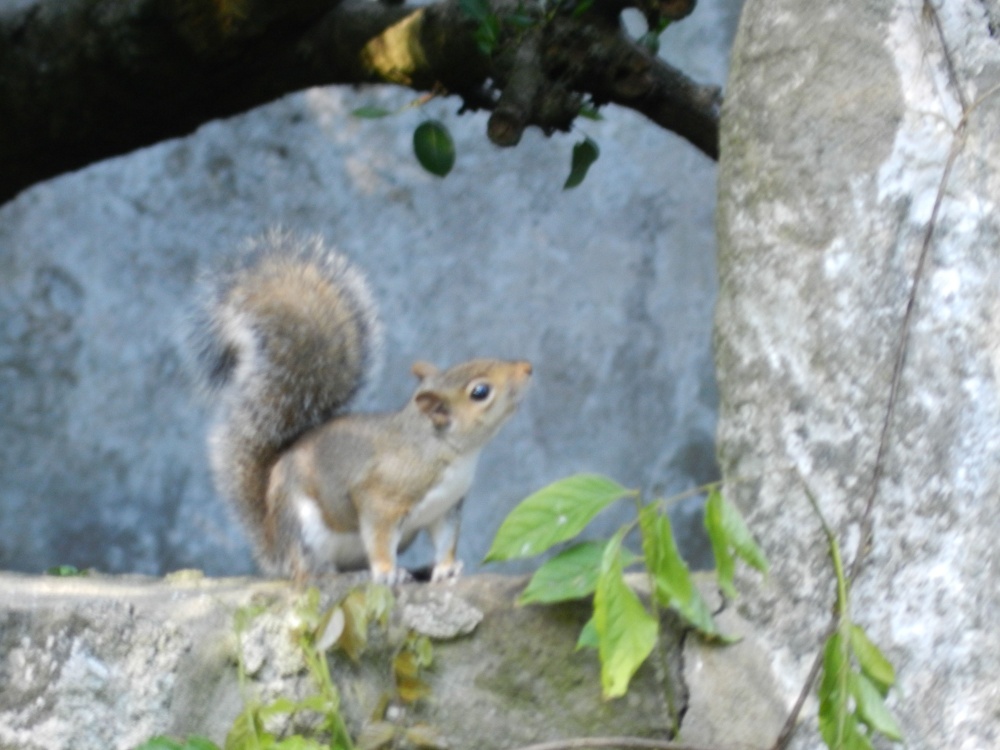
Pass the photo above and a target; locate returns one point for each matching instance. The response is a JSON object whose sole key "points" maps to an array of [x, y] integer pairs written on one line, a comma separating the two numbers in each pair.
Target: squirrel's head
{"points": [[471, 401]]}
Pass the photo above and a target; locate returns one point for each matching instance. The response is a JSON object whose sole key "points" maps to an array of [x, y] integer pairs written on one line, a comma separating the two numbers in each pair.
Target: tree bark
{"points": [[84, 80]]}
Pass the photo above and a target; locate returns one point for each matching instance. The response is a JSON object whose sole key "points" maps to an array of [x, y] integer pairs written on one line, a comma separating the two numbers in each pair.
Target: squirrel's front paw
{"points": [[446, 571], [391, 576]]}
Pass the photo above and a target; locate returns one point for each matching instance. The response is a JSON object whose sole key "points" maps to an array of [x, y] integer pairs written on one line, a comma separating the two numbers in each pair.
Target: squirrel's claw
{"points": [[449, 571], [391, 577]]}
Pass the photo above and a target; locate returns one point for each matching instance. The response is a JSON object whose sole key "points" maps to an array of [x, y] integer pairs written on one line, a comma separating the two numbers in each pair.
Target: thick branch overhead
{"points": [[84, 80]]}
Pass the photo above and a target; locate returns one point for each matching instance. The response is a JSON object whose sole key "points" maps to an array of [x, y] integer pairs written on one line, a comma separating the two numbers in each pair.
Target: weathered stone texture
{"points": [[837, 128], [104, 663], [608, 289]]}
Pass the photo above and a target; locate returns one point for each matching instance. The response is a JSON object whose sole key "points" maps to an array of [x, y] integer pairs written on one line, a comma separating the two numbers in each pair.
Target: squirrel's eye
{"points": [[479, 392]]}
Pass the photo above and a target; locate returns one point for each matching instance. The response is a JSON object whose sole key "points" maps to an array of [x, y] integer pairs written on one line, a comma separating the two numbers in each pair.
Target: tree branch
{"points": [[84, 80], [508, 120]]}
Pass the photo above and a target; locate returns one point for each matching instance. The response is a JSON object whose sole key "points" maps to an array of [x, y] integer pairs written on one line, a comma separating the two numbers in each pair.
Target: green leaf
{"points": [[426, 737], [588, 636], [65, 571], [650, 41], [160, 743], [330, 629], [434, 147], [354, 638], [195, 742], [298, 742], [380, 600], [572, 574], [837, 725], [487, 32], [591, 113], [423, 650], [520, 20], [856, 739], [244, 616], [585, 153], [376, 735], [871, 708], [487, 35], [626, 632], [552, 515], [674, 587], [872, 661], [741, 539], [662, 25], [412, 689], [725, 563], [317, 702], [279, 706], [478, 10], [248, 732], [582, 7], [730, 538], [371, 112]]}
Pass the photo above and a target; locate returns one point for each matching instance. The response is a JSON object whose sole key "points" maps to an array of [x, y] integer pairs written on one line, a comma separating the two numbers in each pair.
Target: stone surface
{"points": [[608, 289], [837, 128], [104, 663], [734, 699]]}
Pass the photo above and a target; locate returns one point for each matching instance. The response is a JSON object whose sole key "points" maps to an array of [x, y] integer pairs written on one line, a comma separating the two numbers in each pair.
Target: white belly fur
{"points": [[443, 496], [346, 551], [343, 549]]}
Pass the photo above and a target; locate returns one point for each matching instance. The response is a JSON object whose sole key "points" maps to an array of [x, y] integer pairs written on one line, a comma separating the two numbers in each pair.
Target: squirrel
{"points": [[286, 336]]}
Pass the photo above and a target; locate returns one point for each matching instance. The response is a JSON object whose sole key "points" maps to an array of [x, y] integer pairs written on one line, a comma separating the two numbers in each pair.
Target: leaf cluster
{"points": [[856, 676], [343, 627], [415, 655], [194, 742], [490, 26], [66, 571], [624, 629], [315, 633], [434, 145], [856, 680]]}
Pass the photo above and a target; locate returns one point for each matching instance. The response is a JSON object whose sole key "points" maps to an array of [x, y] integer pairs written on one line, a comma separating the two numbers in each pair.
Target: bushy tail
{"points": [[286, 335]]}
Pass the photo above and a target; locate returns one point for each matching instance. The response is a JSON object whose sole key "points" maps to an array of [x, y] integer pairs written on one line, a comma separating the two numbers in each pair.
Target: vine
{"points": [[957, 144], [855, 674], [623, 629]]}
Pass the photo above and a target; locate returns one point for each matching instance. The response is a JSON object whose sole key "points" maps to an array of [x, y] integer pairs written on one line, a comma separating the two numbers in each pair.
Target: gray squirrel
{"points": [[287, 334]]}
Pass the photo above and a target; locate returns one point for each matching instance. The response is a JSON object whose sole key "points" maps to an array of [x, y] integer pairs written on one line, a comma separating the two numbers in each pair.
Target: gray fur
{"points": [[286, 333]]}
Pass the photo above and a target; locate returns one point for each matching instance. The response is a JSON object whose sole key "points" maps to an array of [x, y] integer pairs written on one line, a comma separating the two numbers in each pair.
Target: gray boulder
{"points": [[108, 662], [608, 289], [838, 126]]}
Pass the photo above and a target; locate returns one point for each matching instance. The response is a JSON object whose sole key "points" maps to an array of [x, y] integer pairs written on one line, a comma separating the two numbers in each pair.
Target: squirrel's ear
{"points": [[435, 407], [423, 369]]}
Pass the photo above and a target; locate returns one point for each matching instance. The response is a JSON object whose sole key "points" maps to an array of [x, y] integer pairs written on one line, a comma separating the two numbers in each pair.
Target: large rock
{"points": [[837, 130], [608, 289], [106, 663]]}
